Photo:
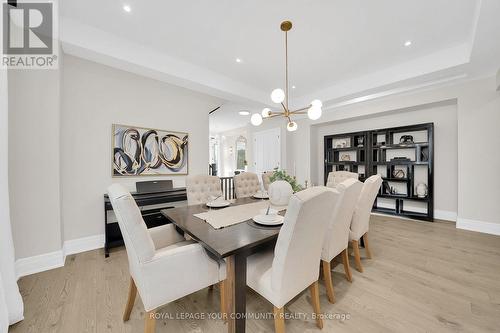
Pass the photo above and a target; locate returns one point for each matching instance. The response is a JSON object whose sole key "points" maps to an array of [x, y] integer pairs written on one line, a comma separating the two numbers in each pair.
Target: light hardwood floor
{"points": [[424, 277]]}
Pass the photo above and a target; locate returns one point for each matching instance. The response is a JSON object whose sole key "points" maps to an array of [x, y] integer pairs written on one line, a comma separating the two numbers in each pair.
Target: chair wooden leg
{"points": [[347, 267], [327, 276], [132, 292], [279, 320], [357, 256], [367, 246], [223, 306], [150, 322], [315, 302]]}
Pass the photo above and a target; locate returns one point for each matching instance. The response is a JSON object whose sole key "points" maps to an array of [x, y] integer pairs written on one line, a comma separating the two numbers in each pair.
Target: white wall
{"points": [[478, 116], [96, 96], [34, 114]]}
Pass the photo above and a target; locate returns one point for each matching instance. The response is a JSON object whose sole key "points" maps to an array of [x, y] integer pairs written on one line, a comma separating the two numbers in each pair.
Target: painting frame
{"points": [[147, 173]]}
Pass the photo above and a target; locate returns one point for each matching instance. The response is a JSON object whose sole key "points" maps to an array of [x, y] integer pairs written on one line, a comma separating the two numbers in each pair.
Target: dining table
{"points": [[233, 244]]}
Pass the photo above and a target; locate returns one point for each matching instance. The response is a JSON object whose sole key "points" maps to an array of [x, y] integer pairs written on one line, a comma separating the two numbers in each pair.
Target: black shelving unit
{"points": [[377, 156], [353, 145]]}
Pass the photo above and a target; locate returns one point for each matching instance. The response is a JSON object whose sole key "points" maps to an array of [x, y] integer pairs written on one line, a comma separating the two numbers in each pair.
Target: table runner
{"points": [[224, 217]]}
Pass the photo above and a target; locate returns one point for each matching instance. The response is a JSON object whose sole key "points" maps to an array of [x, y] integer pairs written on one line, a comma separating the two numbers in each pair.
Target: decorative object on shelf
{"points": [[139, 151], [424, 155], [280, 192], [278, 96], [282, 175], [386, 189], [406, 139], [400, 159], [361, 141], [394, 190], [345, 157], [340, 144], [398, 173], [422, 190]]}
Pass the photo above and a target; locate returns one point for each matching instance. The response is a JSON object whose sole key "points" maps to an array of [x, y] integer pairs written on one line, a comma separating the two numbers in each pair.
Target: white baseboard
{"points": [[479, 226], [438, 214], [47, 261], [83, 244], [445, 215], [40, 263]]}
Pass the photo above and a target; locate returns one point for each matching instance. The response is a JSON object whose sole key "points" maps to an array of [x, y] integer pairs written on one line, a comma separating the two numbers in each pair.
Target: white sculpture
{"points": [[280, 192], [422, 190]]}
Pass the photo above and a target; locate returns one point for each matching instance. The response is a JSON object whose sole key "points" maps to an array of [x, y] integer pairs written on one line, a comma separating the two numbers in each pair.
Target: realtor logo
{"points": [[28, 35]]}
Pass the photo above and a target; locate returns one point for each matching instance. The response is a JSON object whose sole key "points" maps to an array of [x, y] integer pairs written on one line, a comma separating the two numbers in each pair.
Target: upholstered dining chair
{"points": [[246, 184], [266, 179], [337, 236], [337, 177], [361, 218], [159, 257], [202, 188], [294, 265]]}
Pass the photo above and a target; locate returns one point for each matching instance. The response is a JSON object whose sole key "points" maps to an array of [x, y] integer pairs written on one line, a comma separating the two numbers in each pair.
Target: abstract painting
{"points": [[141, 151]]}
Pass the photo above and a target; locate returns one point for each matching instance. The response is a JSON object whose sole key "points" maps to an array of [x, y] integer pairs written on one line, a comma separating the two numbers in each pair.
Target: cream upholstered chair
{"points": [[163, 266], [337, 235], [361, 218], [202, 188], [266, 179], [294, 265], [246, 184], [337, 177]]}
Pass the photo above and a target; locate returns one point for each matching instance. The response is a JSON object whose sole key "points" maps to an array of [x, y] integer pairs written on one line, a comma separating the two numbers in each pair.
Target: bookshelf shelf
{"points": [[376, 156]]}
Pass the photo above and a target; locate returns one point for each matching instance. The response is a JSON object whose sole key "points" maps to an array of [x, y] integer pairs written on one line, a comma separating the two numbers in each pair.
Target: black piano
{"points": [[148, 193]]}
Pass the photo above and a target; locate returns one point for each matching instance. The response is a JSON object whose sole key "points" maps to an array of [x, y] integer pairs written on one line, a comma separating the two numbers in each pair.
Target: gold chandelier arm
{"points": [[285, 109], [300, 110], [274, 115]]}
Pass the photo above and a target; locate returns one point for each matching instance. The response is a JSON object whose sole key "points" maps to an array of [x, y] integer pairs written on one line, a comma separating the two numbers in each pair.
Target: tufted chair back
{"points": [[246, 184], [337, 177], [361, 216], [337, 236], [266, 179], [200, 189], [300, 241], [138, 243]]}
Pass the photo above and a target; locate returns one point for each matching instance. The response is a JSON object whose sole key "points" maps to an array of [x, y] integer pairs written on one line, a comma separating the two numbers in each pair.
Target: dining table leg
{"points": [[236, 282]]}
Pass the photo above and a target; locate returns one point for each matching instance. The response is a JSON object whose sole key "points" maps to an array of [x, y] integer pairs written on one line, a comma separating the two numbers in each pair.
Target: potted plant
{"points": [[282, 175]]}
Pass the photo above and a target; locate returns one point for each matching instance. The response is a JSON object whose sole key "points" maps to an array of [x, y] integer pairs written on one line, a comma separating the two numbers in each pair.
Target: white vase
{"points": [[280, 192], [422, 190]]}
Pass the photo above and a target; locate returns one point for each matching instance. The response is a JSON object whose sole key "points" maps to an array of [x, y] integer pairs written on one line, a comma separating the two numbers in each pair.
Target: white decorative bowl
{"points": [[280, 192]]}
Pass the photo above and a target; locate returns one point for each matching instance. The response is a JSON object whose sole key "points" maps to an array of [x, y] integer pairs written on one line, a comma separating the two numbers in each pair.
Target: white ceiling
{"points": [[336, 48]]}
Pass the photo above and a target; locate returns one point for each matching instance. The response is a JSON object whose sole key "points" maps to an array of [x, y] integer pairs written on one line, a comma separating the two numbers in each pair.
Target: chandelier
{"points": [[279, 96]]}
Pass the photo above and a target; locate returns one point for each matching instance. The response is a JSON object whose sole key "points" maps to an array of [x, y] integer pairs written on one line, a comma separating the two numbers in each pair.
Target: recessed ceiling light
{"points": [[238, 60], [244, 113], [127, 8], [293, 87], [408, 43]]}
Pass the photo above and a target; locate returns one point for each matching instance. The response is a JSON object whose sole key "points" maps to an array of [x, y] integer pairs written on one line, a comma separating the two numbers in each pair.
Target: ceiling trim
{"points": [[93, 44]]}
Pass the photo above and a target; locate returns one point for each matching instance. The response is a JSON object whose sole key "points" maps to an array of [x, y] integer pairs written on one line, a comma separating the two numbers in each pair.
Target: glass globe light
{"points": [[256, 119], [266, 112], [292, 126], [314, 112], [278, 96], [317, 103]]}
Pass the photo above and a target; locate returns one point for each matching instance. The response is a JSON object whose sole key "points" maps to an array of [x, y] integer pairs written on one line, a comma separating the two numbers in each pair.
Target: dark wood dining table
{"points": [[234, 244]]}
